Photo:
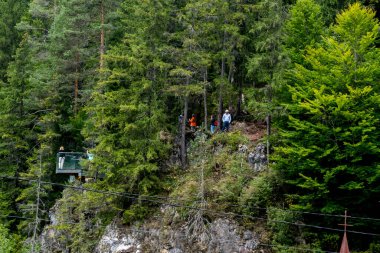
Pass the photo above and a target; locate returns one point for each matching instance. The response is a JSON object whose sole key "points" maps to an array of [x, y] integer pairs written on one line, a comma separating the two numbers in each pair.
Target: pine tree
{"points": [[11, 12], [266, 29], [303, 29], [127, 113], [331, 8], [266, 62], [63, 60], [227, 41], [15, 128], [28, 80], [7, 245], [190, 62], [330, 146]]}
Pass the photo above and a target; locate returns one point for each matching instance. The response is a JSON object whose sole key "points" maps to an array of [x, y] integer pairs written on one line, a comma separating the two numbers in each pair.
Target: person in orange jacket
{"points": [[193, 122]]}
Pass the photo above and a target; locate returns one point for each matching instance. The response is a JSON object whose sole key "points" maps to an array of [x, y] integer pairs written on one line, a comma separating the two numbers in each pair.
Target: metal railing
{"points": [[69, 162]]}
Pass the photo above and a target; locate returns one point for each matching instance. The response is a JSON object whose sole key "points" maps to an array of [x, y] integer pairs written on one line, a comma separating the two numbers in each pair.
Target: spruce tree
{"points": [[266, 61], [127, 111], [17, 139], [303, 29], [11, 12], [64, 58], [330, 148], [227, 41], [190, 62]]}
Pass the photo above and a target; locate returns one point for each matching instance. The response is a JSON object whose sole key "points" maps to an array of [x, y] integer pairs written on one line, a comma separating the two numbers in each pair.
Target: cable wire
{"points": [[146, 198], [311, 213], [166, 198], [177, 234]]}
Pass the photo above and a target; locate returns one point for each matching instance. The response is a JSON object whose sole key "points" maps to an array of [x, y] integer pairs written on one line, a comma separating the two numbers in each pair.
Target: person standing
{"points": [[193, 122], [180, 119], [213, 124], [226, 121], [61, 158]]}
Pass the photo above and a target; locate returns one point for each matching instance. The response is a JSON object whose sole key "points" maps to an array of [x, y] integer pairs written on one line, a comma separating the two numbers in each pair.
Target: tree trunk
{"points": [[205, 98], [268, 120], [240, 99], [231, 80], [221, 86], [231, 73], [76, 82], [38, 200], [183, 133], [22, 99], [101, 63], [220, 108]]}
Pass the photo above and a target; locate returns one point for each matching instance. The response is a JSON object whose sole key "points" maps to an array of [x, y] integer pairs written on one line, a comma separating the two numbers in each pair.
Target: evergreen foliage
{"points": [[127, 110], [6, 243], [11, 12], [303, 29], [111, 77], [330, 143], [266, 61]]}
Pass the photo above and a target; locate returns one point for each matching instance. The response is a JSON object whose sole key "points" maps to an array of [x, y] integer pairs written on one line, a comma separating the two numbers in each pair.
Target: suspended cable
{"points": [[146, 198], [311, 213], [178, 234]]}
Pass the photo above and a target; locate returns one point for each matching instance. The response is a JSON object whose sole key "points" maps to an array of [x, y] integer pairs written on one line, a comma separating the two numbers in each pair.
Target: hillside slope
{"points": [[205, 209]]}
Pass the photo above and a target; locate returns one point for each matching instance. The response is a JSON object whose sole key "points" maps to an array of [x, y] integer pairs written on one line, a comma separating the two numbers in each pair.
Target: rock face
{"points": [[53, 240], [257, 158], [117, 240], [224, 236], [163, 234]]}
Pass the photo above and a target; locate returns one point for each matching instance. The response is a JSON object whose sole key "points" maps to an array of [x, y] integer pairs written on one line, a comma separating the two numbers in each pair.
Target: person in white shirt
{"points": [[61, 159], [226, 119]]}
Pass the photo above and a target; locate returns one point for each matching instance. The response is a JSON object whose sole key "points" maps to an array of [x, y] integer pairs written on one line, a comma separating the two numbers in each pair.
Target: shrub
{"points": [[230, 139], [259, 192], [136, 212]]}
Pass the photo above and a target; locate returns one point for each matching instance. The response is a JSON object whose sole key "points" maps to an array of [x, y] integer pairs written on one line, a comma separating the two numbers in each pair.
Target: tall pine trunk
{"points": [[183, 131], [221, 86], [268, 120], [220, 107], [240, 99], [102, 47], [205, 97], [76, 84]]}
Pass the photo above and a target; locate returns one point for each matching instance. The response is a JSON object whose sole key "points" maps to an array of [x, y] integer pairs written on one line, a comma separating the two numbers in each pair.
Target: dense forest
{"points": [[112, 77]]}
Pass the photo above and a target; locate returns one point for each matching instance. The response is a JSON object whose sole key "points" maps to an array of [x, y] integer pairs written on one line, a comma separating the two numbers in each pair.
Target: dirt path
{"points": [[254, 131]]}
